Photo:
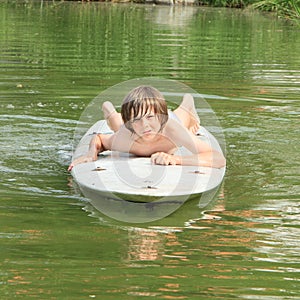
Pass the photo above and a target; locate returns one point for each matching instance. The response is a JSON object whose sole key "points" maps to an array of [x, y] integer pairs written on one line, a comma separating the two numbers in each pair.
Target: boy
{"points": [[145, 127]]}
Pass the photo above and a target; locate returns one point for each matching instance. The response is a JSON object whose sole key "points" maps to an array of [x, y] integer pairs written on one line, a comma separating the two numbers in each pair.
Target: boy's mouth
{"points": [[148, 132]]}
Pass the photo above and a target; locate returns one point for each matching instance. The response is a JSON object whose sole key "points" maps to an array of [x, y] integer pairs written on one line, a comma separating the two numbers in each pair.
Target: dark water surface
{"points": [[54, 245]]}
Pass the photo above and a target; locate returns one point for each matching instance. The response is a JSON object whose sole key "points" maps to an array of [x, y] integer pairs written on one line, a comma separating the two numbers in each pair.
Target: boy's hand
{"points": [[162, 158], [80, 160]]}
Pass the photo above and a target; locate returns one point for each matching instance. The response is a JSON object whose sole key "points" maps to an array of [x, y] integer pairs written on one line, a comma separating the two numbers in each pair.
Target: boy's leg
{"points": [[187, 114], [112, 117]]}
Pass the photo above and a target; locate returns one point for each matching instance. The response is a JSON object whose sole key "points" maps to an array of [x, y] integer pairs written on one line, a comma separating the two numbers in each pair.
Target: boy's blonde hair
{"points": [[139, 101]]}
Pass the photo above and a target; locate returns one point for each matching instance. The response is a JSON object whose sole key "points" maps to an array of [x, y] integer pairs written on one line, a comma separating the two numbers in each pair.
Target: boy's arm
{"points": [[212, 159], [95, 147], [202, 154]]}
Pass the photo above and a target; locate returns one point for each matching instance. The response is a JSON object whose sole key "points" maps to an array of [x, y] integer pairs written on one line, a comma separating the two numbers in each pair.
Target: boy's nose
{"points": [[144, 121]]}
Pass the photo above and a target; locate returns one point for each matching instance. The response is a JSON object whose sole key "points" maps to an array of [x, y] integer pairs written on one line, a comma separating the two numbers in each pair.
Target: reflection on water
{"points": [[54, 244], [173, 17], [145, 245]]}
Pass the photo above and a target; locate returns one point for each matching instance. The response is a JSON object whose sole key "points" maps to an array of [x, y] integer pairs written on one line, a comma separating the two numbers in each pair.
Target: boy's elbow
{"points": [[219, 160], [222, 162]]}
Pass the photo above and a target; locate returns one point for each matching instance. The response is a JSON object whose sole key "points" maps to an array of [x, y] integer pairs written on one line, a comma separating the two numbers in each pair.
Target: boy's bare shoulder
{"points": [[173, 126], [120, 140], [123, 132]]}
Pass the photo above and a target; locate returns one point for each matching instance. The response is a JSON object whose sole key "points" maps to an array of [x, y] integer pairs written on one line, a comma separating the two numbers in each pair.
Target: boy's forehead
{"points": [[143, 110]]}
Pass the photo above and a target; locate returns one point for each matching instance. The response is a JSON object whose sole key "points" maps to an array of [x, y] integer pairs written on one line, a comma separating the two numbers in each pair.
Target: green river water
{"points": [[244, 244]]}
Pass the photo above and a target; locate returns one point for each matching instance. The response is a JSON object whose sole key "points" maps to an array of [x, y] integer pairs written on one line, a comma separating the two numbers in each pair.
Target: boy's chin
{"points": [[148, 136]]}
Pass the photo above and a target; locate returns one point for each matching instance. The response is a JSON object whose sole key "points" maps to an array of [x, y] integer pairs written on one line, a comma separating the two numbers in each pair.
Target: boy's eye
{"points": [[135, 120], [147, 117]]}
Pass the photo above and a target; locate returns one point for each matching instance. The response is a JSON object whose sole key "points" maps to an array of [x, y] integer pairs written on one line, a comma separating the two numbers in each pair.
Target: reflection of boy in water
{"points": [[145, 245], [144, 128]]}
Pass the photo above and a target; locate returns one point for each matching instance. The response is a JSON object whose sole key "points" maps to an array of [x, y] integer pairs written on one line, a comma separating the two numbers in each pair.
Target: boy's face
{"points": [[146, 126]]}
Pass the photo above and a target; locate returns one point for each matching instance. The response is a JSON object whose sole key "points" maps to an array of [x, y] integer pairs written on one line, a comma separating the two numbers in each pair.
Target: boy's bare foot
{"points": [[112, 117], [108, 109], [194, 128], [187, 113]]}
